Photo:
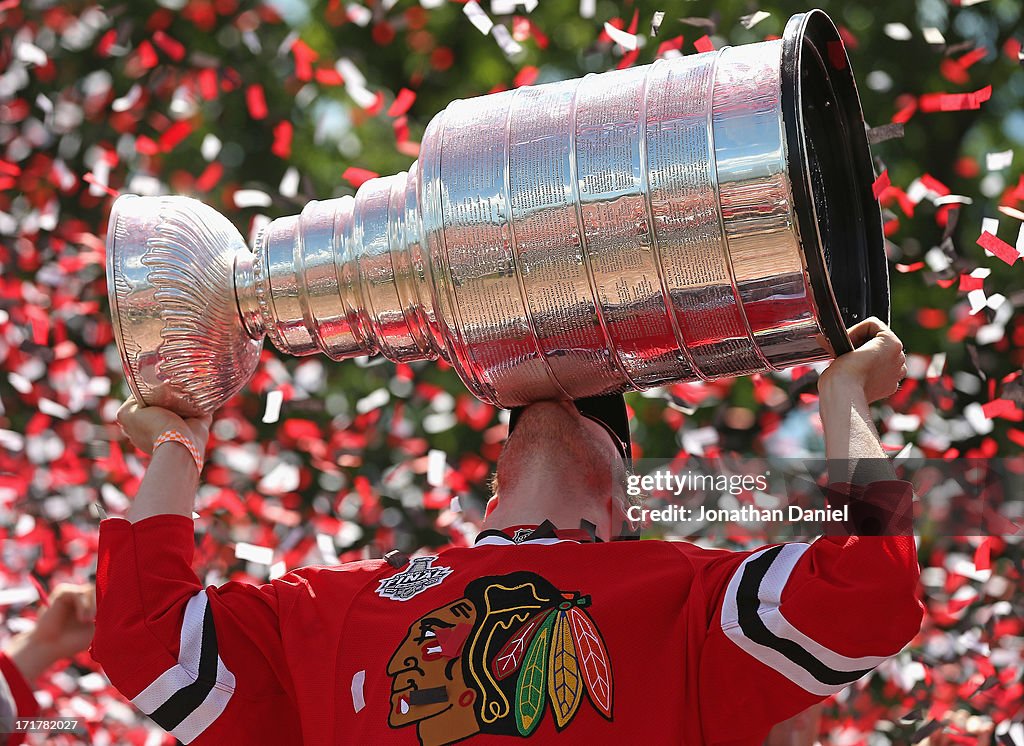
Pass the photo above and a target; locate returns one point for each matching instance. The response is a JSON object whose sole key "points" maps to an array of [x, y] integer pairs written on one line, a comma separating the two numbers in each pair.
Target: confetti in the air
{"points": [[623, 38], [258, 108], [659, 16], [478, 17], [998, 247], [748, 22]]}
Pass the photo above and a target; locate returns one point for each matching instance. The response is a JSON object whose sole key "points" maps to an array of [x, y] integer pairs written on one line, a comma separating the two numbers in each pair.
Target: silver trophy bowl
{"points": [[696, 218]]}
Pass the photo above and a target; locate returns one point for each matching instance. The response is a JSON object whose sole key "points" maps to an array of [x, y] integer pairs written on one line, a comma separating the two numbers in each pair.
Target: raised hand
{"points": [[143, 425]]}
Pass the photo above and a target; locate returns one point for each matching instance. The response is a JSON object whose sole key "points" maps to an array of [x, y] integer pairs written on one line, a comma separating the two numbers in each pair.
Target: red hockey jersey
{"points": [[648, 642]]}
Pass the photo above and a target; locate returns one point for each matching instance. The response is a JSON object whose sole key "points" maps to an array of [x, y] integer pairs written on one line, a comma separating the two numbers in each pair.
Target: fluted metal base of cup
{"points": [[170, 270]]}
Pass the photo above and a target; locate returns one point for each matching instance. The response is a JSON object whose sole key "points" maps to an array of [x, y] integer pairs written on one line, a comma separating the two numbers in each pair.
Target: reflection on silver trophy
{"points": [[700, 217]]}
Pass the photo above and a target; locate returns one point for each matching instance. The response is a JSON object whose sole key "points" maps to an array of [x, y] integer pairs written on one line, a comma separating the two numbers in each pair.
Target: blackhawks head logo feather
{"points": [[498, 660]]}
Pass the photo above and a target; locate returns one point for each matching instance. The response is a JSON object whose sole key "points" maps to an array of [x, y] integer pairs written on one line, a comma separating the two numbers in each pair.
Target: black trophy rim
{"points": [[838, 218]]}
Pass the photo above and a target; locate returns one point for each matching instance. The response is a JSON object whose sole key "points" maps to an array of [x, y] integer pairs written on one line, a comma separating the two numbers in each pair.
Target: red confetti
{"points": [[675, 43], [525, 76], [934, 184], [975, 55], [999, 247], [91, 179], [256, 101], [146, 145], [210, 177], [969, 283], [174, 134], [837, 55], [704, 44], [208, 85], [999, 408], [906, 110], [358, 176], [849, 40], [171, 47], [881, 183], [628, 59], [955, 101], [328, 76], [983, 555], [147, 55], [907, 268], [304, 59], [282, 146], [402, 102]]}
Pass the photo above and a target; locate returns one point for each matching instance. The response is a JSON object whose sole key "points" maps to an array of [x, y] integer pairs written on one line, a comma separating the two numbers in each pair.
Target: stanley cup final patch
{"points": [[416, 578]]}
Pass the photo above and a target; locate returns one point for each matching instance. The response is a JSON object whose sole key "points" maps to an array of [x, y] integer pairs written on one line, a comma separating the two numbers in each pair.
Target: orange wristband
{"points": [[173, 435]]}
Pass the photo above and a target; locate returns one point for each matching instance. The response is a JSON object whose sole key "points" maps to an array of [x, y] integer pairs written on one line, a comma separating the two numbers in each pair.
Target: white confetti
{"points": [[355, 83], [659, 16], [694, 441], [624, 39], [277, 570], [437, 464], [254, 553], [748, 22], [897, 31], [977, 299], [210, 148], [358, 679], [129, 99], [1012, 212], [1020, 240], [952, 199], [374, 400], [990, 225], [281, 479], [289, 186], [588, 8], [52, 408], [30, 53], [478, 17], [12, 441], [360, 15], [976, 418], [918, 191], [252, 198], [937, 260], [904, 423], [936, 366], [506, 43], [101, 171], [932, 35], [508, 7], [999, 160], [272, 412], [24, 594], [325, 543], [989, 334]]}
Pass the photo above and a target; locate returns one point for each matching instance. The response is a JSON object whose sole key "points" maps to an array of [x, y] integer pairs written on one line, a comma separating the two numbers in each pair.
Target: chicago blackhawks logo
{"points": [[497, 659]]}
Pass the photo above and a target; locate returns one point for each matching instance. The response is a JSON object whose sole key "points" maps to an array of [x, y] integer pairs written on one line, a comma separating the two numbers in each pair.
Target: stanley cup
{"points": [[700, 217]]}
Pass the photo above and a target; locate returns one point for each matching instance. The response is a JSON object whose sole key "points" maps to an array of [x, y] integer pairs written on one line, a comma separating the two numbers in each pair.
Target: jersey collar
{"points": [[545, 533]]}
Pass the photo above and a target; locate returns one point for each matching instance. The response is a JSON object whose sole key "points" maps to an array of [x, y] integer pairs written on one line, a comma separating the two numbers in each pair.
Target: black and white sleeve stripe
{"points": [[190, 695], [753, 619]]}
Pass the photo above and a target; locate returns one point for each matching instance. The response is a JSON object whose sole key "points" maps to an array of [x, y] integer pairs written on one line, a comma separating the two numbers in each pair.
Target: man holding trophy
{"points": [[697, 218]]}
